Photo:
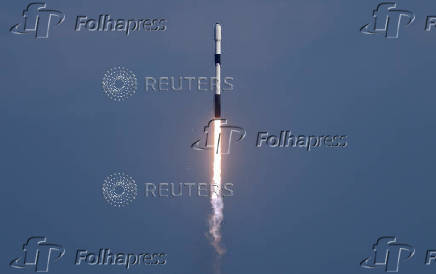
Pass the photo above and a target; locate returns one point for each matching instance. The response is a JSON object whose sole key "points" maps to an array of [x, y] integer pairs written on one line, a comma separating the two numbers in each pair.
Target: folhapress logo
{"points": [[226, 134], [388, 253], [38, 254], [38, 19], [387, 19]]}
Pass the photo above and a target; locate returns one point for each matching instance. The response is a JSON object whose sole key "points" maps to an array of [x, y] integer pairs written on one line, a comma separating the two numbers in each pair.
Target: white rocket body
{"points": [[217, 98]]}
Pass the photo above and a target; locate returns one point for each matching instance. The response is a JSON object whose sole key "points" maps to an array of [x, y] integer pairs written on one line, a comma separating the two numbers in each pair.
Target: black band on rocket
{"points": [[218, 59], [217, 104]]}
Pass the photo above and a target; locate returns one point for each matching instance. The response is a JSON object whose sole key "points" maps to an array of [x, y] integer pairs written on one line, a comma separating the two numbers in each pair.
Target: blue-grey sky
{"points": [[297, 65]]}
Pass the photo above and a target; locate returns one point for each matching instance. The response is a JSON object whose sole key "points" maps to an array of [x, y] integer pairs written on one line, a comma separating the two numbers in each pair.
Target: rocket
{"points": [[217, 98]]}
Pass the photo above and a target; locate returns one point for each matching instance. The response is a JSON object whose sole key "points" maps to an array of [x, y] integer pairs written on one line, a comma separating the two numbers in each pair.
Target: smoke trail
{"points": [[216, 200]]}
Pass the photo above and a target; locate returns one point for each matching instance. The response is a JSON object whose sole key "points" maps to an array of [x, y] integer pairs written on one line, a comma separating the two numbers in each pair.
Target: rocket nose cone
{"points": [[217, 32]]}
